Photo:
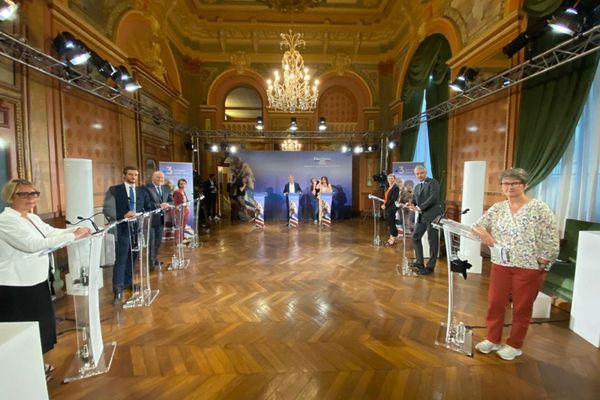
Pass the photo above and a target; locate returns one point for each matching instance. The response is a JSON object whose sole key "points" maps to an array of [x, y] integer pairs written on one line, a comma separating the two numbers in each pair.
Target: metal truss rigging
{"points": [[17, 50], [567, 51]]}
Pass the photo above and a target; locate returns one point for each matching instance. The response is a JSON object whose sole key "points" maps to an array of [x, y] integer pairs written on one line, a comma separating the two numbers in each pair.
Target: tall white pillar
{"points": [[79, 200], [472, 199]]}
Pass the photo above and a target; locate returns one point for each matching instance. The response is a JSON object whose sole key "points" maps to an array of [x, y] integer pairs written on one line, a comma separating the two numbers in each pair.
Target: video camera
{"points": [[381, 178]]}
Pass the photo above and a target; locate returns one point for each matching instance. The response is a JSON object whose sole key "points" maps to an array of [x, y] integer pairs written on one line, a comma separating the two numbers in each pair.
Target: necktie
{"points": [[158, 189], [131, 199]]}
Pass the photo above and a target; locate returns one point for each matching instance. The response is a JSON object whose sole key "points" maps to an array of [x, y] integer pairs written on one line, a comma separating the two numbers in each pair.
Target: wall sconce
{"points": [[322, 124], [259, 124], [293, 124]]}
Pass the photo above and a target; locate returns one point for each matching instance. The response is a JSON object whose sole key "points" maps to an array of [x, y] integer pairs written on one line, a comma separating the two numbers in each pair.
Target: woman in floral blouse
{"points": [[527, 229]]}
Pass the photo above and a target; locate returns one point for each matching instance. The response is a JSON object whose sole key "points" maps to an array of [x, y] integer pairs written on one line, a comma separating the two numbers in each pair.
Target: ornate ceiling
{"points": [[366, 30]]}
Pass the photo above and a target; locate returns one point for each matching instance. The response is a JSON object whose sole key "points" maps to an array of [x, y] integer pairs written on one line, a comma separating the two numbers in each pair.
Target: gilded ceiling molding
{"points": [[240, 61], [341, 63], [474, 17]]}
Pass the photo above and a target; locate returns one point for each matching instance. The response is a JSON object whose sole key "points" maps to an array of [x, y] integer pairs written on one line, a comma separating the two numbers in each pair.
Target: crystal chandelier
{"points": [[293, 91], [291, 145]]}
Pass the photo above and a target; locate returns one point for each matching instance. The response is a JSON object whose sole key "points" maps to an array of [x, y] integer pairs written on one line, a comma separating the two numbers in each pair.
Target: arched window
{"points": [[242, 104]]}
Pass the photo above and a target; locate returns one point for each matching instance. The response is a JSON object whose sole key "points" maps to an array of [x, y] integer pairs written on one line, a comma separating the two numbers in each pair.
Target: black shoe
{"points": [[425, 271], [416, 265], [118, 297]]}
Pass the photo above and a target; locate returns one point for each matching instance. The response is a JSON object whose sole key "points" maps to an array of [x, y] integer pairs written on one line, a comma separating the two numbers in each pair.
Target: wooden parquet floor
{"points": [[314, 314]]}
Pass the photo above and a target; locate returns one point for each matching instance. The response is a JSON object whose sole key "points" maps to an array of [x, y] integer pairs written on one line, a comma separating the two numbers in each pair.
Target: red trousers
{"points": [[524, 284]]}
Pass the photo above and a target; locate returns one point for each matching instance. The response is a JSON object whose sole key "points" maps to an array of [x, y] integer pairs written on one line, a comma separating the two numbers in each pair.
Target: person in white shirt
{"points": [[24, 290]]}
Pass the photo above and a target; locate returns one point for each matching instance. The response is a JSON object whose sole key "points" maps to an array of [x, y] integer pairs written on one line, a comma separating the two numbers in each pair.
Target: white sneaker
{"points": [[315, 222], [486, 347], [217, 218], [509, 353]]}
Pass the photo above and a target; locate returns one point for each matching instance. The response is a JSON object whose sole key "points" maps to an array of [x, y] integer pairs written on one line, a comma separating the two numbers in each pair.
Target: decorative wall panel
{"points": [[92, 131]]}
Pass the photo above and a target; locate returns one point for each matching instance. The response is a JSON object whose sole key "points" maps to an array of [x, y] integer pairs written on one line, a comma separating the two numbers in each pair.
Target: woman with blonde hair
{"points": [[24, 291]]}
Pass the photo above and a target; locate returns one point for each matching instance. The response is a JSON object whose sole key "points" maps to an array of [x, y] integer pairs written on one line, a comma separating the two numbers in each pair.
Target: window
{"points": [[243, 103], [422, 147]]}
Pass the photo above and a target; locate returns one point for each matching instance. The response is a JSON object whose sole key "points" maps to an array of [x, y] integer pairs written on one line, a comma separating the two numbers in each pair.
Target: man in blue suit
{"points": [[156, 195], [426, 203], [123, 201]]}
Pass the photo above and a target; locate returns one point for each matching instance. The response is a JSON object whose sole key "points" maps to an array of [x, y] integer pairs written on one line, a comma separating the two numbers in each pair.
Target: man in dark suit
{"points": [[426, 203], [290, 187], [156, 195], [123, 201]]}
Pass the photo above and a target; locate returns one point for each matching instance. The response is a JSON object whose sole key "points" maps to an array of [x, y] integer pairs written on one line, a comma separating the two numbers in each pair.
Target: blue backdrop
{"points": [[269, 171]]}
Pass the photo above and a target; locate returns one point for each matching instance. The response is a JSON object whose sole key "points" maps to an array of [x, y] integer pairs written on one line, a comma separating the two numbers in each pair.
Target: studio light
{"points": [[345, 149], [105, 68], [566, 23], [259, 124], [124, 80], [322, 124], [465, 75], [293, 124], [392, 145], [214, 148], [71, 49], [8, 8], [358, 149], [516, 44]]}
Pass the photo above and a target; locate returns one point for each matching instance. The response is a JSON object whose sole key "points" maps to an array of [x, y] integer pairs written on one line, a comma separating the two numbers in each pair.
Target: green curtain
{"points": [[550, 107], [541, 8], [429, 59]]}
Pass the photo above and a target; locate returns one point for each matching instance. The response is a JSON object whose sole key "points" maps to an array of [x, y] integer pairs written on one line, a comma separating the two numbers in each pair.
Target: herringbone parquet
{"points": [[314, 314]]}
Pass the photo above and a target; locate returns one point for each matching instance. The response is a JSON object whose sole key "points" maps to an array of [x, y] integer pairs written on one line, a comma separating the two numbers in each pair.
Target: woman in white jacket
{"points": [[24, 265]]}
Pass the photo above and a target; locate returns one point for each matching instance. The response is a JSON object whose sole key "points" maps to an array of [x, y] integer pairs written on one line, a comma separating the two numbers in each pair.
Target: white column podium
{"points": [[22, 367], [585, 318]]}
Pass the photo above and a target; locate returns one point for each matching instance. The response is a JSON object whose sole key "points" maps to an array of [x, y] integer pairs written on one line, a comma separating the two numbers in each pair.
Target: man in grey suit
{"points": [[157, 195], [426, 203]]}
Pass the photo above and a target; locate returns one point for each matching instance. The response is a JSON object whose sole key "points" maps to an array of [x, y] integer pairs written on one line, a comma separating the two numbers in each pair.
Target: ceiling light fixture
{"points": [[293, 90]]}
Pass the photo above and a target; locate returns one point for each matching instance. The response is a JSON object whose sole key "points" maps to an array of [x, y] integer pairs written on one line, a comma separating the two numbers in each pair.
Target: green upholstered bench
{"points": [[559, 281]]}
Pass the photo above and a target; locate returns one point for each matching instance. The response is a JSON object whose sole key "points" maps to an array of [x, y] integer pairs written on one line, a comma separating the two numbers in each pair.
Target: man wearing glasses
{"points": [[426, 205]]}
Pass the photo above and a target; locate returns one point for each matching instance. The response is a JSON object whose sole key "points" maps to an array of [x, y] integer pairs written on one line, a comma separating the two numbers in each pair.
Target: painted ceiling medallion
{"points": [[292, 6]]}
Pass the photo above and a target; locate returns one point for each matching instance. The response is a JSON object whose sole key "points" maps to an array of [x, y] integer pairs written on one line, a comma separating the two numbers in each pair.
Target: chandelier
{"points": [[291, 145], [293, 91]]}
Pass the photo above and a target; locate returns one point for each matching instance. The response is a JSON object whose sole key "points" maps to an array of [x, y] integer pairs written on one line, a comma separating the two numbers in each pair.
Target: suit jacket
{"points": [[286, 188], [392, 197], [116, 203], [426, 196], [152, 200]]}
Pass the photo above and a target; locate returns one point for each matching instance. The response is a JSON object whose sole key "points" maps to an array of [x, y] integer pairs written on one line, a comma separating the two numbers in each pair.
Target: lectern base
{"points": [[141, 300], [80, 369], [406, 270], [460, 338]]}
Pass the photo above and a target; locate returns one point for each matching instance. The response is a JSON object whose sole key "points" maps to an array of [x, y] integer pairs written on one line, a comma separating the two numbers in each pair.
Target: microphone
{"points": [[81, 219], [466, 210]]}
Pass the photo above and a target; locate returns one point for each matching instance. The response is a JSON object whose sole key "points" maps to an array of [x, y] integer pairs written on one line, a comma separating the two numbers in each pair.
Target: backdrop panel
{"points": [[267, 172]]}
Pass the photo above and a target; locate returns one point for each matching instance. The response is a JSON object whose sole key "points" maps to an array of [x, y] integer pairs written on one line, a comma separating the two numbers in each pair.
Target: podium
{"points": [[293, 207], [259, 210], [325, 203], [93, 356], [408, 227], [375, 201], [139, 240], [196, 243], [178, 260], [453, 335]]}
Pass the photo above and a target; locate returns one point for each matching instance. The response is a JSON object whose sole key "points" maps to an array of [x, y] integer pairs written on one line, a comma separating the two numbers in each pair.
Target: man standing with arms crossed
{"points": [[426, 204]]}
